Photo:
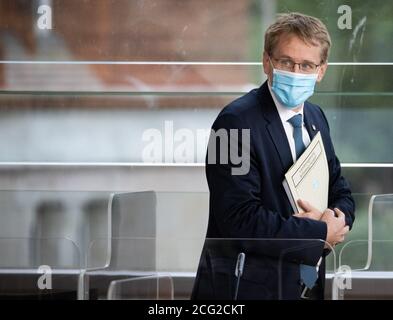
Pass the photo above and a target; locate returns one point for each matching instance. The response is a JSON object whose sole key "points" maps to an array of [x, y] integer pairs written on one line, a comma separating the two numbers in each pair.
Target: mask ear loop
{"points": [[272, 66], [271, 63], [317, 73]]}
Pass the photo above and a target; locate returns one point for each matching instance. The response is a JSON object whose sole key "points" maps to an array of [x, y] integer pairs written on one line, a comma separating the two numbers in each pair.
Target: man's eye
{"points": [[306, 66], [286, 63]]}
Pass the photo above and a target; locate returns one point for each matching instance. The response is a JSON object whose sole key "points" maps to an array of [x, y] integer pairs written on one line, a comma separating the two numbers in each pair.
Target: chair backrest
{"points": [[380, 219], [369, 254], [132, 231]]}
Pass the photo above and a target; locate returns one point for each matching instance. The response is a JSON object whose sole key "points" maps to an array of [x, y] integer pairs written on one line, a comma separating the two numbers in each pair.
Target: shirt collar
{"points": [[285, 113]]}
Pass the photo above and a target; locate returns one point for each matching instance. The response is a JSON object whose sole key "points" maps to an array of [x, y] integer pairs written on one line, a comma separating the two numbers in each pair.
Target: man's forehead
{"points": [[292, 46]]}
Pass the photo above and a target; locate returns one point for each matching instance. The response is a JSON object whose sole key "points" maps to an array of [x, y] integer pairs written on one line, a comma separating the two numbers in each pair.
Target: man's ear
{"points": [[322, 71], [266, 64]]}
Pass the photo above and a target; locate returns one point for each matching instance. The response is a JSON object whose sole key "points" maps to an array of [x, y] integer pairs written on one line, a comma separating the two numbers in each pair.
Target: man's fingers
{"points": [[305, 215], [343, 234], [300, 214], [339, 213], [345, 230], [329, 212], [306, 206], [302, 204]]}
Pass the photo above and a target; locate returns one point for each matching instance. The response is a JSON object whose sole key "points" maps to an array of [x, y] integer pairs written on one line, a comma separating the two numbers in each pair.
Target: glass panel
{"points": [[39, 268], [164, 128], [125, 258], [374, 225], [381, 217], [254, 268], [84, 218], [373, 215], [177, 78], [365, 270], [367, 265], [87, 97], [80, 216], [158, 287], [168, 30], [72, 93], [133, 259]]}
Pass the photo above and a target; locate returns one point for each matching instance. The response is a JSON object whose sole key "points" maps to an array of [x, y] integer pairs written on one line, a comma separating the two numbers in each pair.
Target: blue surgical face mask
{"points": [[291, 88]]}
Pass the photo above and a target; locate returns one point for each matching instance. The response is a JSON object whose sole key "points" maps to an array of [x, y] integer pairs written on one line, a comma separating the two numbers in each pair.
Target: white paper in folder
{"points": [[308, 177]]}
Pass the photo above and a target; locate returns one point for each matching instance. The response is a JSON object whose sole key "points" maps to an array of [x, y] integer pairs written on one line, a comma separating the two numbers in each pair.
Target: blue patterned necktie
{"points": [[308, 274], [297, 123]]}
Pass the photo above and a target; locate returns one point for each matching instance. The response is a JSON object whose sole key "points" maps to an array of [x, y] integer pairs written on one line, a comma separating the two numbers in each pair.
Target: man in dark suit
{"points": [[253, 204]]}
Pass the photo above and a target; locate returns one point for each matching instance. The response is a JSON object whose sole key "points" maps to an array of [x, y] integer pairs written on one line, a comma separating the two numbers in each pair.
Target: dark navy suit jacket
{"points": [[255, 205]]}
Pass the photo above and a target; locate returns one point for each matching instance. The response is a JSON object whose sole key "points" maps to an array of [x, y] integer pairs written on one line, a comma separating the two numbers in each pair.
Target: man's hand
{"points": [[309, 211], [336, 227], [335, 220]]}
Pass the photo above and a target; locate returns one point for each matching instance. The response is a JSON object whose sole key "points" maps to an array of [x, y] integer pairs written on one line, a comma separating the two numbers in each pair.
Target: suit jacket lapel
{"points": [[275, 127]]}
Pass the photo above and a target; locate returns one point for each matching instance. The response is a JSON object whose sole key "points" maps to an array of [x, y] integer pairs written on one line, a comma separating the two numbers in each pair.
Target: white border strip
{"points": [[153, 164], [367, 165], [180, 63], [30, 271], [187, 274], [103, 164]]}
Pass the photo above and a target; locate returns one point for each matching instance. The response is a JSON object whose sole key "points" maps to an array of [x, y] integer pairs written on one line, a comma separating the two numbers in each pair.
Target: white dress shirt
{"points": [[285, 115]]}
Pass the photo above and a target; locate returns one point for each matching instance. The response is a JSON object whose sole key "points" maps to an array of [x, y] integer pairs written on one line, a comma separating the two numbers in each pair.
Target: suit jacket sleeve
{"points": [[339, 190], [237, 206]]}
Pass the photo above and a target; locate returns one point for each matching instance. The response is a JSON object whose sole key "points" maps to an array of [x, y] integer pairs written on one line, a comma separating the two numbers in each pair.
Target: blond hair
{"points": [[309, 29]]}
